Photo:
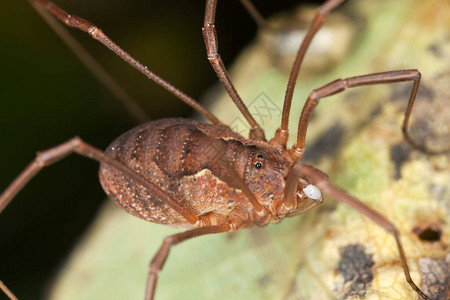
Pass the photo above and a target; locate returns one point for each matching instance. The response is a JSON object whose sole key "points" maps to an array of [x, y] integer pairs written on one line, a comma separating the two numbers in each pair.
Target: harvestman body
{"points": [[206, 177]]}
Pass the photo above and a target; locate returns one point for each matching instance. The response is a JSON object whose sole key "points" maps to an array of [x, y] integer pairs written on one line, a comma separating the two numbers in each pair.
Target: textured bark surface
{"points": [[331, 252]]}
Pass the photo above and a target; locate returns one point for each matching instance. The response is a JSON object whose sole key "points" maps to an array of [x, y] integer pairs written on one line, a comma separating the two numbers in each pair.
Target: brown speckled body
{"points": [[181, 157]]}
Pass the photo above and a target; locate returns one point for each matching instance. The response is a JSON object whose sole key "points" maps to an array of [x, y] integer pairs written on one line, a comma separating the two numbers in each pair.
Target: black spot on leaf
{"points": [[430, 234], [356, 268], [326, 144], [400, 154]]}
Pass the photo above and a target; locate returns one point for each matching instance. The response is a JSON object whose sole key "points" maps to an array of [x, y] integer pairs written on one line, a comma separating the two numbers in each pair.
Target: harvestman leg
{"points": [[76, 145], [7, 291], [320, 179], [212, 49], [97, 34], [232, 223], [254, 13], [281, 135], [340, 85], [128, 102]]}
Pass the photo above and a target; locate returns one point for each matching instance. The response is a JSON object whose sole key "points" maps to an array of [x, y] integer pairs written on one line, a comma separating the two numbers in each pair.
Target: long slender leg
{"points": [[341, 85], [281, 135], [321, 181], [261, 214], [7, 291], [219, 157], [259, 208], [210, 37], [97, 34], [254, 13], [76, 145], [234, 222], [128, 102]]}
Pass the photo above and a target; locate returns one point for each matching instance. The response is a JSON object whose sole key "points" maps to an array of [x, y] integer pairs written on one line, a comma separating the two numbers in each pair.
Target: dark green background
{"points": [[47, 96]]}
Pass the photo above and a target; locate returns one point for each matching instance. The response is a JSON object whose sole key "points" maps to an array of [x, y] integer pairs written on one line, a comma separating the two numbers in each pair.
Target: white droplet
{"points": [[312, 192]]}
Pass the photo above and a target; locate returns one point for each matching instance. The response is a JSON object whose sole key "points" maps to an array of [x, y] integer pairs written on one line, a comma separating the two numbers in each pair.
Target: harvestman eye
{"points": [[259, 164]]}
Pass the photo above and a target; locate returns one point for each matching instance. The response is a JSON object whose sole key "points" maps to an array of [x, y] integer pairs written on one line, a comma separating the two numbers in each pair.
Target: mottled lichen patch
{"points": [[356, 268], [436, 276]]}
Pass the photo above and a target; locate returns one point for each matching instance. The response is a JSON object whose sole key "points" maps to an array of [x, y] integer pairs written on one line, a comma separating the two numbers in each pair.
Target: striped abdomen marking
{"points": [[178, 156]]}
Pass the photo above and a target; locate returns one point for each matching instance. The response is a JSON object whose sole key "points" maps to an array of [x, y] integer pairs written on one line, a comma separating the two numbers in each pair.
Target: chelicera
{"points": [[206, 177]]}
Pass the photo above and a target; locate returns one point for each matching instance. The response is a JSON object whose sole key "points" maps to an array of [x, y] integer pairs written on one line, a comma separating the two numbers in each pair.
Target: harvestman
{"points": [[262, 181]]}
